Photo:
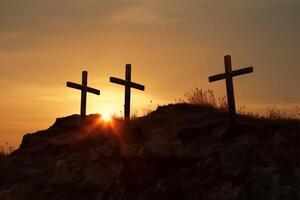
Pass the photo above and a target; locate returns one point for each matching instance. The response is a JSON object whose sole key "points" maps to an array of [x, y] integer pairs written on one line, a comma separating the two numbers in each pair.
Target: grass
{"points": [[5, 150], [204, 97], [207, 98]]}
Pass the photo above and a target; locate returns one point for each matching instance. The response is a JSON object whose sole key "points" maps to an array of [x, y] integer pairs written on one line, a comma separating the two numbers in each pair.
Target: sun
{"points": [[106, 117]]}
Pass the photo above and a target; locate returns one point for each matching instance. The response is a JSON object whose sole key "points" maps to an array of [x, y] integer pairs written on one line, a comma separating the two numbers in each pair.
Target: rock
{"points": [[177, 152], [191, 133]]}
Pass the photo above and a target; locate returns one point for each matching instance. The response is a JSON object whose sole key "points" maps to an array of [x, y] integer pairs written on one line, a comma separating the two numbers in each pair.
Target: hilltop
{"points": [[176, 152]]}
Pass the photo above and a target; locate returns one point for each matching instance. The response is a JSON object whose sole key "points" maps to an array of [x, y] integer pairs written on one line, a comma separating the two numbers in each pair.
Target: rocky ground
{"points": [[177, 152]]}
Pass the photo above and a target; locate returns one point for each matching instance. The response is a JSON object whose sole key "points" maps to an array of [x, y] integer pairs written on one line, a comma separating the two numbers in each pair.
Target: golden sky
{"points": [[173, 46]]}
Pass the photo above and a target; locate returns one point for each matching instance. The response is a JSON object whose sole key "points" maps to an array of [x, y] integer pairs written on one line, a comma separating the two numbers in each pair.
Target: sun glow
{"points": [[106, 117]]}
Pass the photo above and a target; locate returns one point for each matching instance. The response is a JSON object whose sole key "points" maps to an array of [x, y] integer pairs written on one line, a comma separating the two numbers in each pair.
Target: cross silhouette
{"points": [[229, 82], [84, 89], [128, 85]]}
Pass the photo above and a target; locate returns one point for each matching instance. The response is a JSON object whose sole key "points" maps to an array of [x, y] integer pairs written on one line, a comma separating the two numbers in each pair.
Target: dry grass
{"points": [[134, 114], [6, 149], [147, 110], [204, 97], [242, 111], [207, 98], [150, 108], [275, 113]]}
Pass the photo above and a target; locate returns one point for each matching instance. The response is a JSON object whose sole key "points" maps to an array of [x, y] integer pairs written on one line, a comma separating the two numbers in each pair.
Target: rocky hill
{"points": [[177, 152]]}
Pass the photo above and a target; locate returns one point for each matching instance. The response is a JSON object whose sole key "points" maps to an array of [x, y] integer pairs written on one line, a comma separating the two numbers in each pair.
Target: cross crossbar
{"points": [[117, 81], [125, 83], [245, 70], [80, 87], [237, 72]]}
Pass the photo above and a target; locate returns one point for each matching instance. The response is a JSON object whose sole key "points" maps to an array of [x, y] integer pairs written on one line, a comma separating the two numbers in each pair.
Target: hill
{"points": [[176, 152]]}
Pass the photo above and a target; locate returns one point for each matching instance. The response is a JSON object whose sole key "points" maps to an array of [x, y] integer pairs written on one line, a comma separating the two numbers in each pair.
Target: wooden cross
{"points": [[128, 85], [229, 82], [84, 89]]}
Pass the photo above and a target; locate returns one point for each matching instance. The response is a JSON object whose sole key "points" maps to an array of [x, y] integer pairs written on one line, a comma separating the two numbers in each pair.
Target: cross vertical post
{"points": [[127, 92], [229, 86], [83, 94]]}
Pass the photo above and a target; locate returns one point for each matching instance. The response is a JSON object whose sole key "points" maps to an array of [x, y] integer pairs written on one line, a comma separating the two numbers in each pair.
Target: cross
{"points": [[128, 85], [229, 82], [84, 89]]}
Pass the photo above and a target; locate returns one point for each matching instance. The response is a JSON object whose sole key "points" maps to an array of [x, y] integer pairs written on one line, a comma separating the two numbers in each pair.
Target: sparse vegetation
{"points": [[148, 109], [134, 114], [207, 98], [2, 154], [5, 150], [275, 113], [242, 111], [204, 97]]}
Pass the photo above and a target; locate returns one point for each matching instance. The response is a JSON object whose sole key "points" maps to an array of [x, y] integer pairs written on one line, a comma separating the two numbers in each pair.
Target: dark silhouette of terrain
{"points": [[176, 152]]}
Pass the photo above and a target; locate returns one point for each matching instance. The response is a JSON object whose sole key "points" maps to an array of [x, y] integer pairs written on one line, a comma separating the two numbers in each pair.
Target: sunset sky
{"points": [[173, 46]]}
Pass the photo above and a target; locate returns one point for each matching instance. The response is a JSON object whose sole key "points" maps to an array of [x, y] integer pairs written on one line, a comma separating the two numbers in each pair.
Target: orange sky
{"points": [[173, 46]]}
